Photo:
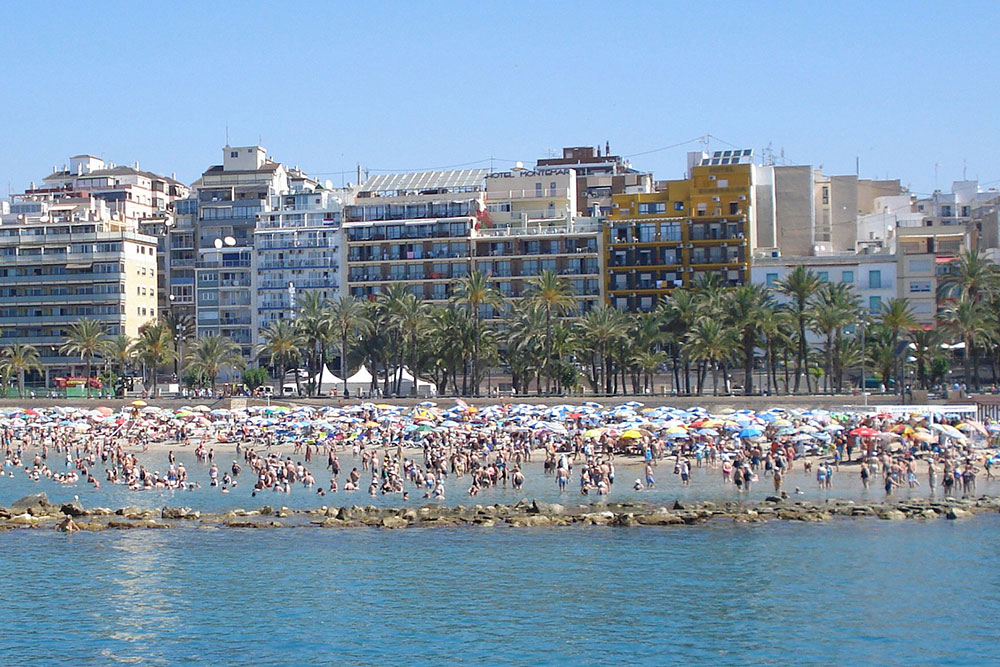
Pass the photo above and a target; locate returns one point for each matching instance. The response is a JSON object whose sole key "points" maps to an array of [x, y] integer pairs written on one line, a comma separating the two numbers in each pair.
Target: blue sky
{"points": [[414, 85]]}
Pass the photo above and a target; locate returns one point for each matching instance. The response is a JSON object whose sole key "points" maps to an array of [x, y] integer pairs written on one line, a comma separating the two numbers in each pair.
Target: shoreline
{"points": [[36, 512]]}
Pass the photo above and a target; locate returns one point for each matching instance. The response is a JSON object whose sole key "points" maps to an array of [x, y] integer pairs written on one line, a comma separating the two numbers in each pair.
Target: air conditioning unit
{"points": [[723, 245], [743, 197], [689, 245], [711, 177], [716, 199]]}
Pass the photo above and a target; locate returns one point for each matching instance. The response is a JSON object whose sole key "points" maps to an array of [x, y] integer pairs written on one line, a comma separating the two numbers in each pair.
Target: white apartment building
{"points": [[229, 198], [131, 194], [297, 247], [873, 277]]}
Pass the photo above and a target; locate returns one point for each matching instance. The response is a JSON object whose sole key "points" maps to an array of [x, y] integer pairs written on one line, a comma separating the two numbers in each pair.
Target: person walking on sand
{"points": [[931, 475], [866, 474]]}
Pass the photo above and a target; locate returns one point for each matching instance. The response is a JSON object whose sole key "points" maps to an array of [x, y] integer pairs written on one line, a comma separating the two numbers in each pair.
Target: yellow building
{"points": [[686, 229]]}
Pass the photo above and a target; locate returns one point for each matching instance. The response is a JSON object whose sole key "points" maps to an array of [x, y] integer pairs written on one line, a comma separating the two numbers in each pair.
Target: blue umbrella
{"points": [[751, 432]]}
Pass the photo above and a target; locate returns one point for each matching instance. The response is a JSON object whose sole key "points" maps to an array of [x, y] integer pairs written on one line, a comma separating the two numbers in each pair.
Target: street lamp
{"points": [[863, 322]]}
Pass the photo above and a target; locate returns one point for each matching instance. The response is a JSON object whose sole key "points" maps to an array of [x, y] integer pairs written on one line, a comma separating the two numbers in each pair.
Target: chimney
{"points": [[137, 165], [607, 148]]}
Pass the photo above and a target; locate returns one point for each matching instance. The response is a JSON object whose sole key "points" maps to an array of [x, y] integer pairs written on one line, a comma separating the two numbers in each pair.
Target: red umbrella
{"points": [[865, 432]]}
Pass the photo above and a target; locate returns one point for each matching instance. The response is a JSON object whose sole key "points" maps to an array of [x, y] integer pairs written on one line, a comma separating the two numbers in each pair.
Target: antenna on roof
{"points": [[227, 134]]}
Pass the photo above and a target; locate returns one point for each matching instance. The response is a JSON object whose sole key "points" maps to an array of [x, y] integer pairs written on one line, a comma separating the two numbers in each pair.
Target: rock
{"points": [[409, 514], [597, 518], [539, 507], [394, 522], [4, 513], [624, 520], [772, 499], [128, 510], [678, 505], [956, 513], [344, 514], [74, 508], [661, 518], [23, 520], [266, 510], [33, 504], [176, 513], [892, 515]]}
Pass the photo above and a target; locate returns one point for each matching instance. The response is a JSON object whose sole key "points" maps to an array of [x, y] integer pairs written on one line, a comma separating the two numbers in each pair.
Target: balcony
{"points": [[223, 264]]}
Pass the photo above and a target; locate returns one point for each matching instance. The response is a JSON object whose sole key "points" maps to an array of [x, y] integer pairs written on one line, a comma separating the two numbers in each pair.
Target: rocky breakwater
{"points": [[37, 512]]}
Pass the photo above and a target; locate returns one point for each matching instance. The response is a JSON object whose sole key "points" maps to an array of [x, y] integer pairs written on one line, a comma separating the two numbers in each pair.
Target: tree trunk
{"points": [[748, 362]]}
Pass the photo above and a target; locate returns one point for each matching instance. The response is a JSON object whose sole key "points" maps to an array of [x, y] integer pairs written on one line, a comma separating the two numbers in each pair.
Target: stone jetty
{"points": [[37, 512]]}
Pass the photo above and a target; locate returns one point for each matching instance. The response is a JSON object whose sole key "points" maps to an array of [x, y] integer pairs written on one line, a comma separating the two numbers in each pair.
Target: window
{"points": [[734, 207], [874, 280], [538, 189], [824, 276], [652, 207], [920, 286], [847, 276], [920, 265], [678, 206], [772, 279], [826, 194], [874, 304], [234, 153]]}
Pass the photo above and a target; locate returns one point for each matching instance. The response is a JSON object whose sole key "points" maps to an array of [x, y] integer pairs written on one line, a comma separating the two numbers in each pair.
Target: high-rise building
{"points": [[704, 224], [297, 250], [66, 256], [533, 225], [412, 228], [131, 194], [229, 197]]}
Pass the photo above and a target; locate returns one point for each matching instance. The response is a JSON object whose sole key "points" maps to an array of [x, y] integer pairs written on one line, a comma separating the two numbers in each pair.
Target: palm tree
{"points": [[312, 321], [972, 274], [553, 295], [282, 349], [182, 328], [601, 329], [897, 317], [712, 343], [525, 344], [925, 346], [746, 307], [211, 354], [799, 286], [473, 292], [18, 359], [86, 338], [834, 307], [408, 318], [154, 348], [968, 320], [120, 351], [677, 312], [347, 318]]}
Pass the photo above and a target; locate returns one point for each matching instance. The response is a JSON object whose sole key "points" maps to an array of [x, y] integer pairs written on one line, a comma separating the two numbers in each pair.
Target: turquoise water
{"points": [[841, 592]]}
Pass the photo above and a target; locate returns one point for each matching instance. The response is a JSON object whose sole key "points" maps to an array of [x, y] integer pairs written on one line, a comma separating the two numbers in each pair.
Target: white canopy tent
{"points": [[360, 382], [327, 381], [424, 387]]}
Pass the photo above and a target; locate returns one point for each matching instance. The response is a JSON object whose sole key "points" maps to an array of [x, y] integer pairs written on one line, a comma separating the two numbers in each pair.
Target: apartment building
{"points": [[131, 194], [872, 276], [532, 225], [412, 228], [703, 224], [598, 177], [297, 250], [228, 199], [63, 257]]}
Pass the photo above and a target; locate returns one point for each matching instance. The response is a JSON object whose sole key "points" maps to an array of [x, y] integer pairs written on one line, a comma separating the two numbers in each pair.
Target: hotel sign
{"points": [[528, 174]]}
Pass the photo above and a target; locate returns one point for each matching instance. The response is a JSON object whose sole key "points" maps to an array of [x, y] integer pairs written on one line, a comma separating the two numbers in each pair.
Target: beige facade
{"points": [[62, 261]]}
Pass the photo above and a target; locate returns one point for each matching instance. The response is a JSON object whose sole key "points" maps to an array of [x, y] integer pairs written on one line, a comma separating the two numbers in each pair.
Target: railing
{"points": [[224, 264]]}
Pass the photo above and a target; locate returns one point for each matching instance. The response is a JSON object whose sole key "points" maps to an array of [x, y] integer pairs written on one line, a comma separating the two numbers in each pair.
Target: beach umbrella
{"points": [[949, 431], [139, 404], [864, 432], [751, 432], [104, 411]]}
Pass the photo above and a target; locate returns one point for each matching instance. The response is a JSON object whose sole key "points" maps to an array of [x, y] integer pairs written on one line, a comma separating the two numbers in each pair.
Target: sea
{"points": [[841, 592], [852, 591]]}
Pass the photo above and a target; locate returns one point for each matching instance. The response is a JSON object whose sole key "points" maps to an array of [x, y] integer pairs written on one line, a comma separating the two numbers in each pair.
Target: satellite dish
{"points": [[230, 241], [328, 185], [218, 243]]}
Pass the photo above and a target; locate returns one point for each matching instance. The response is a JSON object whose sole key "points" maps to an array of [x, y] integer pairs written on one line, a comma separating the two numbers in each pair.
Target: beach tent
{"points": [[406, 380], [327, 381], [359, 383]]}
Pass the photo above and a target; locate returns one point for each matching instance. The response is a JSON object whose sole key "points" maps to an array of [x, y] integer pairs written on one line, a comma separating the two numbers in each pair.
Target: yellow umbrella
{"points": [[675, 429], [779, 423], [632, 433], [383, 406], [594, 432], [139, 404]]}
